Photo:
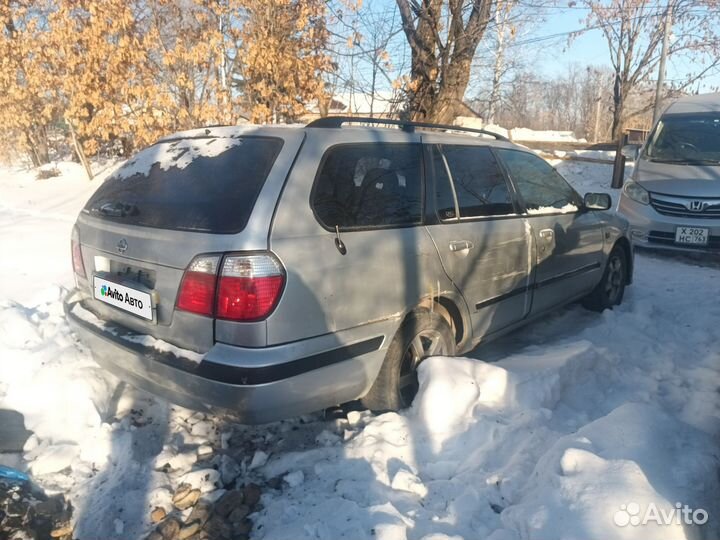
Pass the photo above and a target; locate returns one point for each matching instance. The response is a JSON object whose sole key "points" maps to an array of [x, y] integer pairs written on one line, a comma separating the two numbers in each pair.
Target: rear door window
{"points": [[369, 185], [199, 184], [479, 185]]}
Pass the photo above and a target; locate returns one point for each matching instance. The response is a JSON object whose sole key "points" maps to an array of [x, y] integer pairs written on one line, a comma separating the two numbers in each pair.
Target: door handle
{"points": [[546, 234], [546, 245], [460, 245]]}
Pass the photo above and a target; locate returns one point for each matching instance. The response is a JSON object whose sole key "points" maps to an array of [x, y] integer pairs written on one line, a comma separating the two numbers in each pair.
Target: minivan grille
{"points": [[681, 207]]}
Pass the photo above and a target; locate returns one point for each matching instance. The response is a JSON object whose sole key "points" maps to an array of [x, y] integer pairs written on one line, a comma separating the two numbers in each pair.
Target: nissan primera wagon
{"points": [[275, 271]]}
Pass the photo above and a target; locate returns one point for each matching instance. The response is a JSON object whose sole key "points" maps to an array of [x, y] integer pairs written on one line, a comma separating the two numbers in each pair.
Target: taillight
{"points": [[77, 261], [249, 287], [197, 289]]}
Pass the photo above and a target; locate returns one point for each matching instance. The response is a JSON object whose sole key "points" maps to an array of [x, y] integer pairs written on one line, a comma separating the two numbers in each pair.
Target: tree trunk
{"points": [[499, 65], [422, 100], [77, 145], [324, 106], [618, 108], [38, 144], [440, 67], [449, 99]]}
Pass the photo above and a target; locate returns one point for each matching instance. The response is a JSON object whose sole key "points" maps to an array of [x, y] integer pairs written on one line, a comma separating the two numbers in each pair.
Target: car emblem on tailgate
{"points": [[122, 246], [696, 206]]}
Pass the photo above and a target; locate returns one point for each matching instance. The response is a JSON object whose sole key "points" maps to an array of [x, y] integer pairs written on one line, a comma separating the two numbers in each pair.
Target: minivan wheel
{"points": [[422, 334], [609, 292]]}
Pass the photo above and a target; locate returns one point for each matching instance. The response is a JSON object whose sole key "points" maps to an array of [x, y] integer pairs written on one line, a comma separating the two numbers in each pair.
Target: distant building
{"points": [[382, 104]]}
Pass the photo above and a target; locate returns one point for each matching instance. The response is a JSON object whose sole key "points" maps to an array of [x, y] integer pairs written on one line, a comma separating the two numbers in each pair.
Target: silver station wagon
{"points": [[274, 271]]}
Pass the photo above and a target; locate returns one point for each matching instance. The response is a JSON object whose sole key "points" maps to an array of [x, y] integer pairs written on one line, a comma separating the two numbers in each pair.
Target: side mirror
{"points": [[631, 151], [597, 201]]}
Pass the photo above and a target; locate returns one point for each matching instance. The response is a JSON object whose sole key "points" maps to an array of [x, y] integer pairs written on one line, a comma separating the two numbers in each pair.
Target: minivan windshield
{"points": [[686, 138]]}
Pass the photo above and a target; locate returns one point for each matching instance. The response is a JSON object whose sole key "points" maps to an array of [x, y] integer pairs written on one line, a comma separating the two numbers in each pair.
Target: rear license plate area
{"points": [[124, 297]]}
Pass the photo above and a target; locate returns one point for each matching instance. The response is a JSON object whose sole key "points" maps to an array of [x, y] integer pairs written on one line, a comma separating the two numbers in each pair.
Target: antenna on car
{"points": [[339, 121]]}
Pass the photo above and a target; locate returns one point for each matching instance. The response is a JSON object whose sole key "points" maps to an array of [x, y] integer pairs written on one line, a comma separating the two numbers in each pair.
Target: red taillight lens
{"points": [[197, 293], [197, 289], [249, 287], [247, 299], [77, 261]]}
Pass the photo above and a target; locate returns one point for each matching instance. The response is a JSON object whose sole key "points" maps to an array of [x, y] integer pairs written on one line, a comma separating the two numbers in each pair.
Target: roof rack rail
{"points": [[338, 121]]}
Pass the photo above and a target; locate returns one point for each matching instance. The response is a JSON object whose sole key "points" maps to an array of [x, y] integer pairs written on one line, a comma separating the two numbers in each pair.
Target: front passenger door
{"points": [[569, 240]]}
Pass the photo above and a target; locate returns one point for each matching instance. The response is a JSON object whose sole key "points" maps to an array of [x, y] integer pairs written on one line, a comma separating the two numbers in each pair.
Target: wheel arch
{"points": [[624, 244], [447, 306]]}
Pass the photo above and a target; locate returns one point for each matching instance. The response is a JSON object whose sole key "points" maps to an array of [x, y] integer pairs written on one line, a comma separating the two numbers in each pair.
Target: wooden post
{"points": [[618, 175], [80, 152]]}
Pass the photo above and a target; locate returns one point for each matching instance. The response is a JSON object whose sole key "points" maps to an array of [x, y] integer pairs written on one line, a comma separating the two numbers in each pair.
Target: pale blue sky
{"points": [[590, 47], [553, 56]]}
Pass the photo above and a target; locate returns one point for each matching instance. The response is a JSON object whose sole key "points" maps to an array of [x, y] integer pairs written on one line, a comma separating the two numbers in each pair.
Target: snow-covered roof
{"points": [[359, 103]]}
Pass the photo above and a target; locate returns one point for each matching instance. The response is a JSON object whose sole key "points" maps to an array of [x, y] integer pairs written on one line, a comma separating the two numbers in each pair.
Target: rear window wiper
{"points": [[117, 209]]}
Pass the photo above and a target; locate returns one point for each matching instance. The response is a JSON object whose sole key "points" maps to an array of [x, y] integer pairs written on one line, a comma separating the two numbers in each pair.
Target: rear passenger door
{"points": [[569, 240], [349, 230], [483, 241]]}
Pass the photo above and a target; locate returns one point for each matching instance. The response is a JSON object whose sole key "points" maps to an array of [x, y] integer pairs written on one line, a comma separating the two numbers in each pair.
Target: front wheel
{"points": [[422, 334], [609, 292]]}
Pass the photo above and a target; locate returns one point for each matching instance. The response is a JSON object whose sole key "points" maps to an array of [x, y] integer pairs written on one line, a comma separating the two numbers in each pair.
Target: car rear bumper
{"points": [[257, 385], [650, 229]]}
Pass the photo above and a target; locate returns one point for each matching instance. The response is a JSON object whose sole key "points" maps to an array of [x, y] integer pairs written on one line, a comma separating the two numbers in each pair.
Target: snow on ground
{"points": [[519, 134], [567, 429], [606, 155], [590, 177], [580, 414]]}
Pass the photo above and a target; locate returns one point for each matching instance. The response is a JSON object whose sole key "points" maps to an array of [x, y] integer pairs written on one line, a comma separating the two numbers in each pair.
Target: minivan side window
{"points": [[539, 184], [479, 184], [369, 185]]}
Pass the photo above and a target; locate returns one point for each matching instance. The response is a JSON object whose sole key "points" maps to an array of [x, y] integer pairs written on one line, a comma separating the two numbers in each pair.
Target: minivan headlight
{"points": [[637, 193]]}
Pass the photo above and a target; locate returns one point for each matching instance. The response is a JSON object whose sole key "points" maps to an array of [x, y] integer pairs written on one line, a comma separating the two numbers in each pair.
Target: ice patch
{"points": [[54, 459]]}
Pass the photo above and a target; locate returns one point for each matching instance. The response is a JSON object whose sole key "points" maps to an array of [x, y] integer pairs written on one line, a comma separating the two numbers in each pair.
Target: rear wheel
{"points": [[422, 334], [609, 292]]}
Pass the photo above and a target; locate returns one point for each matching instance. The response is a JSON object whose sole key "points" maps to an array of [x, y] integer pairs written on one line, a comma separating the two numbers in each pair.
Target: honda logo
{"points": [[696, 206], [122, 246]]}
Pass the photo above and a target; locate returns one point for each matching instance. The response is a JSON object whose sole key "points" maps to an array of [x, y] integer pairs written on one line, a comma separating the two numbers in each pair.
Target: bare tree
{"points": [[369, 50], [633, 29], [567, 102], [443, 36], [503, 32]]}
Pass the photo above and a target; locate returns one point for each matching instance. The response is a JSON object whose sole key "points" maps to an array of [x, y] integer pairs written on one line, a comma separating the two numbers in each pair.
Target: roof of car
{"points": [[436, 134], [695, 104]]}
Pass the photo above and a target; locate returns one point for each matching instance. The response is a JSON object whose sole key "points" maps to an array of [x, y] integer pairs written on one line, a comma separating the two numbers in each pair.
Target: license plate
{"points": [[695, 236], [126, 298]]}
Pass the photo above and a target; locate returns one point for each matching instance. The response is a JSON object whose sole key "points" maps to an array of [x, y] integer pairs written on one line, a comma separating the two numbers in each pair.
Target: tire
{"points": [[422, 334], [609, 292]]}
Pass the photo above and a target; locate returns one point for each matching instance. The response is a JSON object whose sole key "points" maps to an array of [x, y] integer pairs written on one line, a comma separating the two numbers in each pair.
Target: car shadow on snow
{"points": [[116, 502]]}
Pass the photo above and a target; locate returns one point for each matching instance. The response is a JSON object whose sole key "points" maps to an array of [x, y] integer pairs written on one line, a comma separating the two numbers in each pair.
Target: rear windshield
{"points": [[207, 184]]}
